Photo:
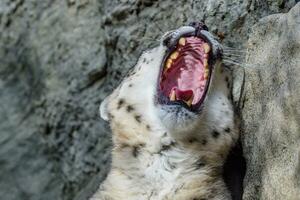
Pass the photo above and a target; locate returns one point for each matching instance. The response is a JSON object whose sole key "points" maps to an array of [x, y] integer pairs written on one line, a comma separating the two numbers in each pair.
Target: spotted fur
{"points": [[160, 153]]}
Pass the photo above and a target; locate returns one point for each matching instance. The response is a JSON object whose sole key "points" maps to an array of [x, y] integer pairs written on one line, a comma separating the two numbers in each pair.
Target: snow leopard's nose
{"points": [[198, 26], [170, 39]]}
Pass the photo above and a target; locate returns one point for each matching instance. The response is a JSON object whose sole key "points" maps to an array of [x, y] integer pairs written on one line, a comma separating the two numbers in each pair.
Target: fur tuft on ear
{"points": [[103, 109]]}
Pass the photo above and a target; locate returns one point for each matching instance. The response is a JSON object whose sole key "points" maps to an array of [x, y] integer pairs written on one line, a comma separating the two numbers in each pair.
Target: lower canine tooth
{"points": [[189, 102], [206, 47], [173, 95]]}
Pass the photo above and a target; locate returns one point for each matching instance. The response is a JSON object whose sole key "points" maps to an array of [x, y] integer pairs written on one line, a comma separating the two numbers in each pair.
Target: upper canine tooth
{"points": [[174, 55], [181, 41], [173, 95], [206, 47]]}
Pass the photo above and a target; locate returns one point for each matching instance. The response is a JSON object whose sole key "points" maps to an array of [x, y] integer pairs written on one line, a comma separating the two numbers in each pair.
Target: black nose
{"points": [[199, 26]]}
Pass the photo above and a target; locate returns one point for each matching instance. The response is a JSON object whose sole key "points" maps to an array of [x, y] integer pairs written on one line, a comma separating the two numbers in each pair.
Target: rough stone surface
{"points": [[271, 109], [60, 58]]}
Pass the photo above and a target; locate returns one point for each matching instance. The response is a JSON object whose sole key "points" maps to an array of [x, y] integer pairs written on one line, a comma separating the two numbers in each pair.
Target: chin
{"points": [[177, 119]]}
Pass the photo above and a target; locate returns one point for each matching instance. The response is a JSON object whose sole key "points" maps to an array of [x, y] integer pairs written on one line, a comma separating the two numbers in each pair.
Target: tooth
{"points": [[189, 102], [206, 47], [181, 41], [169, 63], [205, 63], [172, 95], [174, 55], [206, 72]]}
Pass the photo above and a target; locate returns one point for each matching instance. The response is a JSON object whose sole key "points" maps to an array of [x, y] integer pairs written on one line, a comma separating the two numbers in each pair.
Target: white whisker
{"points": [[235, 51], [233, 55], [226, 47], [239, 64], [232, 59]]}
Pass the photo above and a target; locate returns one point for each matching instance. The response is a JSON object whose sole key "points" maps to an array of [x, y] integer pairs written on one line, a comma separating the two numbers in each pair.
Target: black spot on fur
{"points": [[135, 151], [172, 166], [123, 145], [215, 134], [192, 140], [120, 103], [148, 127], [132, 73], [165, 147], [110, 116], [138, 118], [199, 164], [227, 130], [144, 60], [204, 142], [129, 108], [130, 85]]}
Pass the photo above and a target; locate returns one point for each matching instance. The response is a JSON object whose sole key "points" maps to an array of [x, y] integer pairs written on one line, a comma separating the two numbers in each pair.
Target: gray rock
{"points": [[271, 109], [59, 59]]}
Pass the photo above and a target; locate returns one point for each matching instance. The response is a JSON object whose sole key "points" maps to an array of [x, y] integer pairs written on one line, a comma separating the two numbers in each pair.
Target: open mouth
{"points": [[186, 73]]}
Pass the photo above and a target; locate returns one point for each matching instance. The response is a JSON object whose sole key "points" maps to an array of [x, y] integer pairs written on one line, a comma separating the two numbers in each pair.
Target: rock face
{"points": [[60, 58], [271, 109]]}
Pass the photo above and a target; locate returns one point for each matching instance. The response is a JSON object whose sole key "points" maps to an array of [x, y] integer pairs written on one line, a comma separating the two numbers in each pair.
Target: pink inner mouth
{"points": [[186, 71]]}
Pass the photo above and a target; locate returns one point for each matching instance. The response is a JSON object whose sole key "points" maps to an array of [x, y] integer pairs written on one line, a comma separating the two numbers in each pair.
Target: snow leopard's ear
{"points": [[103, 109]]}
